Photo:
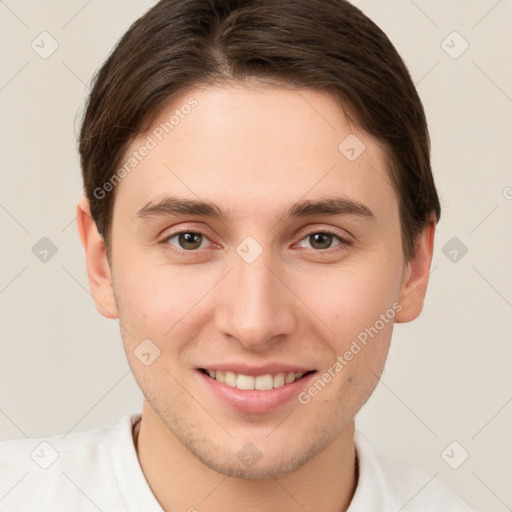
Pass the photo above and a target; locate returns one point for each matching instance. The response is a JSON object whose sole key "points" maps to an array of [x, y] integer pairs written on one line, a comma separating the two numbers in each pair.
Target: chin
{"points": [[250, 462]]}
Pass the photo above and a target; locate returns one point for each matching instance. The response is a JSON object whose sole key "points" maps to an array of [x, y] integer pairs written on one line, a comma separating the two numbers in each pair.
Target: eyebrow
{"points": [[171, 205]]}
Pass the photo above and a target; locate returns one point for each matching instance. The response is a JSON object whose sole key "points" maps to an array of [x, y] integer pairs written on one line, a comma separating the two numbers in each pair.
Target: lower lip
{"points": [[254, 401]]}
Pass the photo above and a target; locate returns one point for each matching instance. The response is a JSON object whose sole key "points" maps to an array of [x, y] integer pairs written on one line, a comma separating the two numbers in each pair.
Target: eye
{"points": [[192, 241], [323, 240], [187, 240]]}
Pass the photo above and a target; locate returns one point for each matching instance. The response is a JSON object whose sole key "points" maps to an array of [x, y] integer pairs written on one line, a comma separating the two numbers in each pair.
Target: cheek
{"points": [[165, 304], [356, 302], [350, 298], [159, 300], [153, 304]]}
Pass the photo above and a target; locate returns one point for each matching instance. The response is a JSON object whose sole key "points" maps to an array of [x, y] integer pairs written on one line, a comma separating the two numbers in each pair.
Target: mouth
{"points": [[265, 382]]}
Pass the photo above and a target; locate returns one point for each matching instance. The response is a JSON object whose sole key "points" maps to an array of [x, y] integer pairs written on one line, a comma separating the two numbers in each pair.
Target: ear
{"points": [[98, 268], [416, 274]]}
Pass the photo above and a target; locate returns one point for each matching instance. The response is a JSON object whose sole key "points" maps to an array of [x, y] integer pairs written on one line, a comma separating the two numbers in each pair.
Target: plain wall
{"points": [[448, 378]]}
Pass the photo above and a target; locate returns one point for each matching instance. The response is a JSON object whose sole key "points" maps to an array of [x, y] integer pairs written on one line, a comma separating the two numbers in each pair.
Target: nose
{"points": [[255, 305]]}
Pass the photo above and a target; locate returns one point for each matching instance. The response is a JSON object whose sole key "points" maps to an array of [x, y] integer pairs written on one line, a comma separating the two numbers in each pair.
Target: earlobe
{"points": [[98, 268], [416, 274]]}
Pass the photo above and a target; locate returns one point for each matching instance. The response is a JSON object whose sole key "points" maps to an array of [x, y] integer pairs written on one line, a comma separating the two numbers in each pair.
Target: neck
{"points": [[180, 481]]}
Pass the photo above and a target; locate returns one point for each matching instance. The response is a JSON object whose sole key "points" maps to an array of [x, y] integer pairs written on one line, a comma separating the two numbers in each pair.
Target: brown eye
{"points": [[323, 240], [190, 241], [187, 240], [320, 240]]}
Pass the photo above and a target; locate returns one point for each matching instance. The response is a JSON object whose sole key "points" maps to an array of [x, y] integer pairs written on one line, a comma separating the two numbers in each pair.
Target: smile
{"points": [[254, 390], [264, 382]]}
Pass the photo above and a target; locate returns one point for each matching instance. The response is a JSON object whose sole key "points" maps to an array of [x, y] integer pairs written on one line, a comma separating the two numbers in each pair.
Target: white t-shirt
{"points": [[99, 470]]}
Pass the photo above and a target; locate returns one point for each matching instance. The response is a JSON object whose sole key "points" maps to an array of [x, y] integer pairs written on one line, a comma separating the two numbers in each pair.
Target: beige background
{"points": [[448, 378]]}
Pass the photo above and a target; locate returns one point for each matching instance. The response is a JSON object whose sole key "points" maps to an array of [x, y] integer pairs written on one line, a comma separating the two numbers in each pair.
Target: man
{"points": [[259, 211]]}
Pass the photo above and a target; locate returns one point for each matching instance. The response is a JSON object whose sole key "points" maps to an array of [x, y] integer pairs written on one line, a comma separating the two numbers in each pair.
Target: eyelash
{"points": [[344, 243]]}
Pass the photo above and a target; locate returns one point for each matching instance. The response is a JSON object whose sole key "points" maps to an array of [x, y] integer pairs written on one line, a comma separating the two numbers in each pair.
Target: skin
{"points": [[254, 152]]}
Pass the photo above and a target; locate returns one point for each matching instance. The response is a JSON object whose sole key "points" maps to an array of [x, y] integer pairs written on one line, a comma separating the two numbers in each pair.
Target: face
{"points": [[251, 250]]}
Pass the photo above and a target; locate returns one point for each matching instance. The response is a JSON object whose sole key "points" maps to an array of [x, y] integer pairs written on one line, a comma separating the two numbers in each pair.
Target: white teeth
{"points": [[245, 382], [248, 382], [230, 379], [290, 377], [279, 380], [263, 382]]}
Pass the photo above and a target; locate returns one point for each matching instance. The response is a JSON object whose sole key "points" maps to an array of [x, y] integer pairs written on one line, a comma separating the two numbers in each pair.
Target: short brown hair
{"points": [[327, 45]]}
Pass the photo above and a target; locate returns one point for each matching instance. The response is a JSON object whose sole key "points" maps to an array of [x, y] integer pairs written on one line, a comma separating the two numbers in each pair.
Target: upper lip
{"points": [[254, 371]]}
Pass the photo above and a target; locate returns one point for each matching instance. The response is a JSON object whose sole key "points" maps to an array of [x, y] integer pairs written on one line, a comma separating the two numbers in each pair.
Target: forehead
{"points": [[251, 149]]}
